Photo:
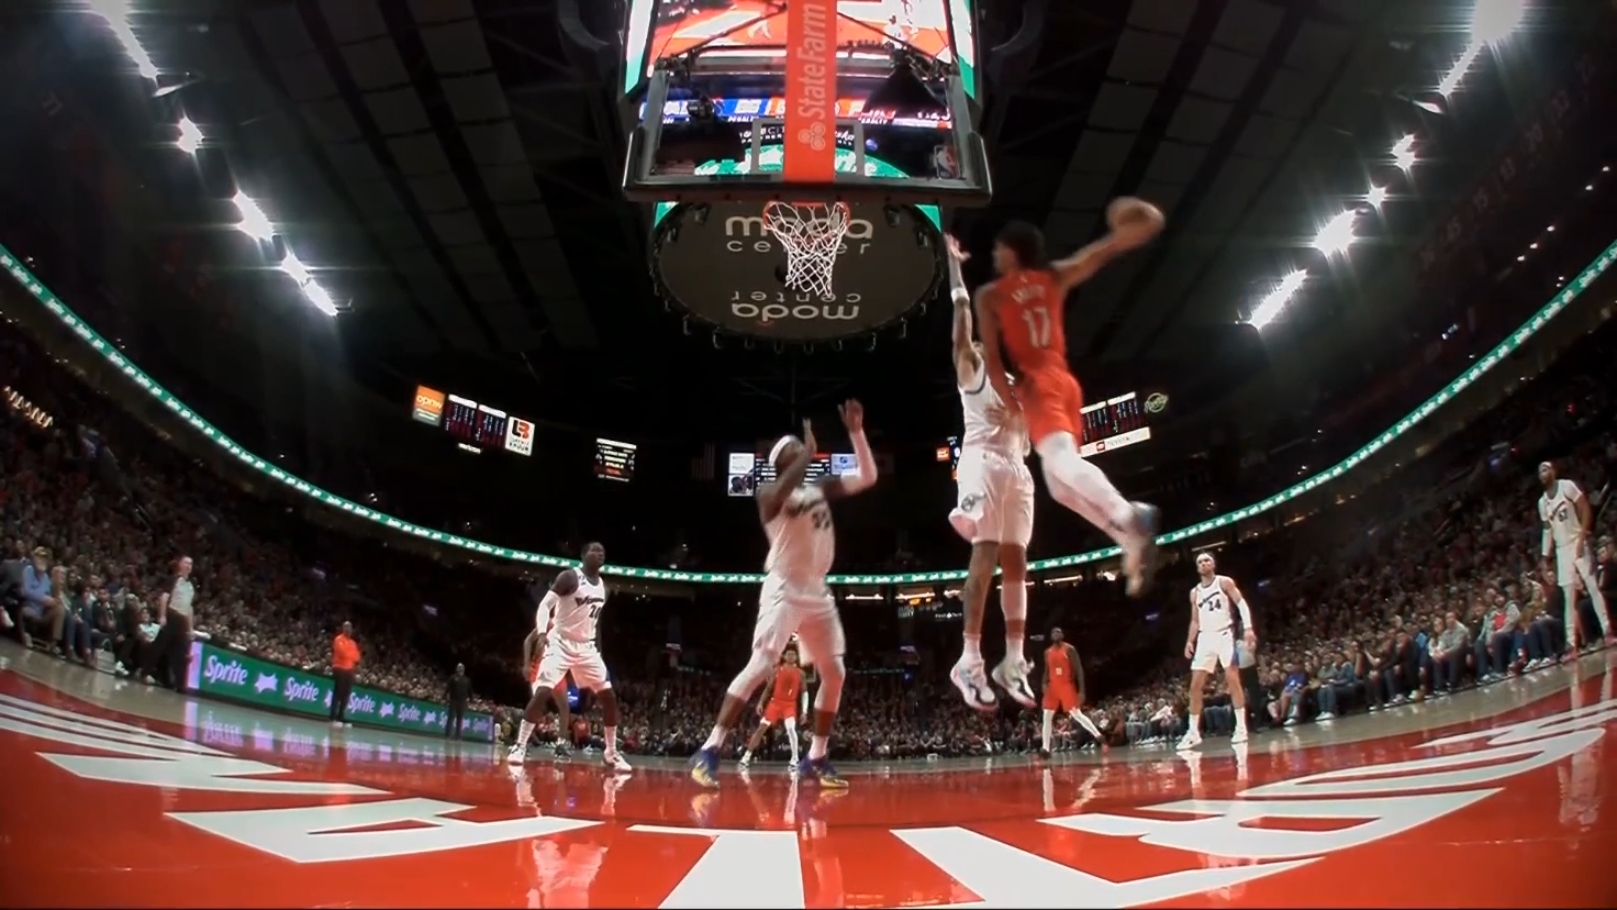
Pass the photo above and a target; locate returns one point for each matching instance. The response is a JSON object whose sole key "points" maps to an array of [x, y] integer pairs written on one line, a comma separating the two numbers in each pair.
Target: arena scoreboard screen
{"points": [[660, 29], [614, 460], [472, 425], [748, 469], [1121, 421]]}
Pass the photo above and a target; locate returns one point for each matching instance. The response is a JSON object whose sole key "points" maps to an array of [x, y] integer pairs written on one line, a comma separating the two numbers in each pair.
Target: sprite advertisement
{"points": [[220, 673]]}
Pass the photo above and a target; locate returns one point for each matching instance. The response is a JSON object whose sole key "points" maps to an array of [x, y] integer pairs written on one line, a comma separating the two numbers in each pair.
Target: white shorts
{"points": [[809, 612], [582, 660], [995, 502], [1214, 650], [1568, 567]]}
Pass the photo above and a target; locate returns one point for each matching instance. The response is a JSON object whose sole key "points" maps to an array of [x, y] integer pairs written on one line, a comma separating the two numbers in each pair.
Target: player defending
{"points": [[1568, 524], [779, 706], [994, 511], [1025, 310], [533, 649], [1064, 690], [794, 597], [572, 611], [1211, 642]]}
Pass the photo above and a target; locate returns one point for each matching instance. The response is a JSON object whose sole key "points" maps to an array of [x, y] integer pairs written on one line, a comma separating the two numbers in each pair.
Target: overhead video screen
{"points": [[614, 460], [747, 470], [657, 29]]}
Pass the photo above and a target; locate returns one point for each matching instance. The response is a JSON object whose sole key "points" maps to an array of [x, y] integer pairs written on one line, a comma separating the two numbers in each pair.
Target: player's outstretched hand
{"points": [[808, 436], [853, 415], [1134, 221], [956, 251]]}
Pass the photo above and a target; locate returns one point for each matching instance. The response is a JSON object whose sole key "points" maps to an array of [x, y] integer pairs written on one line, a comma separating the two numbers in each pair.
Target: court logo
{"points": [[814, 137]]}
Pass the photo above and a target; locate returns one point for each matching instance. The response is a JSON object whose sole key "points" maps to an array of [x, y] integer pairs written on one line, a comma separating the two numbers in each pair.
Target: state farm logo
{"points": [[814, 136], [813, 63], [298, 691], [225, 674]]}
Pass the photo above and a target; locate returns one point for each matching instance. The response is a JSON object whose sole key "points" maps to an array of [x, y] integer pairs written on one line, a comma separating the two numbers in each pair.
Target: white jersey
{"points": [[988, 425], [802, 543], [1214, 611], [578, 615], [1559, 513]]}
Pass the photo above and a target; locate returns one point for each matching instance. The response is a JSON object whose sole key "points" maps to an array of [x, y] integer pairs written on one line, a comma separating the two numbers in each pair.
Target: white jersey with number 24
{"points": [[578, 615]]}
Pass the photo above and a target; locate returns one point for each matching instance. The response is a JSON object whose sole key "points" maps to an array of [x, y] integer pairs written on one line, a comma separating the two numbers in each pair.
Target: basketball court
{"points": [[120, 794]]}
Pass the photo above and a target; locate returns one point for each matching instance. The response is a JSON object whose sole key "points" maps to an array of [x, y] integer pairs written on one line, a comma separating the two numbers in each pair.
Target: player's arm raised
{"points": [[864, 475], [1249, 633], [966, 362], [988, 324], [1195, 627], [1131, 224], [771, 496]]}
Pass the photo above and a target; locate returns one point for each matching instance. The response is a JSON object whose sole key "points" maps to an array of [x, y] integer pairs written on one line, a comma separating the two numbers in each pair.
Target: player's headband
{"points": [[780, 446]]}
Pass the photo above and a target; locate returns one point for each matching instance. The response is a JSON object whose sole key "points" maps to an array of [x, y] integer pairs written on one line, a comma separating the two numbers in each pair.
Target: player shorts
{"points": [[1061, 698], [809, 612], [1214, 650], [1568, 567], [775, 712], [995, 503], [1052, 402], [583, 660]]}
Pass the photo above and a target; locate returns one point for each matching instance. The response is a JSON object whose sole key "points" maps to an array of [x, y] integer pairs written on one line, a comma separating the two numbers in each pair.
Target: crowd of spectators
{"points": [[1358, 613]]}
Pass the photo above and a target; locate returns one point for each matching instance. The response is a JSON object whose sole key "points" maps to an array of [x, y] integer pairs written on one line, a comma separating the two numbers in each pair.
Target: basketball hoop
{"points": [[812, 234]]}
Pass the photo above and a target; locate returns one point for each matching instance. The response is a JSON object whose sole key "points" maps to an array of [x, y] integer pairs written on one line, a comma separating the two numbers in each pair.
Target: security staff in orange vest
{"points": [[344, 658]]}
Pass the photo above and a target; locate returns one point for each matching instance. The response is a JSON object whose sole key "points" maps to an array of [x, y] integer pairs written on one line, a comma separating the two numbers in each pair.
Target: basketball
{"points": [[1127, 214]]}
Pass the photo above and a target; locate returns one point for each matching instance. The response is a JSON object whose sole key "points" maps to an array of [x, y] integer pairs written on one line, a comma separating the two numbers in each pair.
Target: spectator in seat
{"points": [[79, 629], [344, 661], [40, 604], [457, 693], [1292, 695], [1333, 687], [170, 653], [1450, 651], [132, 649], [1498, 640], [1380, 687]]}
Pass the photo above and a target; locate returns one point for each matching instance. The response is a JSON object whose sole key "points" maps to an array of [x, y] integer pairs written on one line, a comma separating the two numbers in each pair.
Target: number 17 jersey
{"points": [[578, 615], [1031, 324]]}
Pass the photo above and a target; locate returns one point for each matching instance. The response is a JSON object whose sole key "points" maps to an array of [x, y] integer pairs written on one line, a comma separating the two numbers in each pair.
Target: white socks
{"points": [[715, 740], [1049, 722], [791, 737], [818, 746], [1083, 720], [611, 737], [974, 649], [1013, 600], [524, 733]]}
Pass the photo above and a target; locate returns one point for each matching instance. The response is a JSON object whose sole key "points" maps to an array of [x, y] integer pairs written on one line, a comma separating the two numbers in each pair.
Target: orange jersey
{"points": [[788, 685], [1030, 307], [1058, 662]]}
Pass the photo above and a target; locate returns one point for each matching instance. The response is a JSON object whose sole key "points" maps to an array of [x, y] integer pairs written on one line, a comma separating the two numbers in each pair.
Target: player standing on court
{"points": [[1568, 525], [993, 512], [794, 597], [1025, 309], [574, 606], [1064, 690], [533, 649], [1211, 642], [779, 706]]}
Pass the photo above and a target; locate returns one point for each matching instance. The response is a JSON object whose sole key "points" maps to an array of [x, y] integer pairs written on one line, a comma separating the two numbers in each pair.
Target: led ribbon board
{"points": [[106, 349]]}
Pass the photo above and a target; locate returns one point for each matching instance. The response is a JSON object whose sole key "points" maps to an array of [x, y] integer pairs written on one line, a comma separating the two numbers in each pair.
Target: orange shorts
{"points": [[777, 711], [1052, 402], [1062, 699]]}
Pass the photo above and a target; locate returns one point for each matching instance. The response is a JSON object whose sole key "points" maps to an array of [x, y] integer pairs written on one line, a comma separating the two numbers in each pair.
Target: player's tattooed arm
{"points": [[566, 583], [966, 362], [993, 363]]}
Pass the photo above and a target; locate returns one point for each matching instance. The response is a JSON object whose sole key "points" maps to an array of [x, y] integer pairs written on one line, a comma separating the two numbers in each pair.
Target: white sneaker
{"points": [[746, 760], [1190, 741], [517, 756], [615, 763], [973, 685], [1011, 674], [1239, 736], [1325, 715]]}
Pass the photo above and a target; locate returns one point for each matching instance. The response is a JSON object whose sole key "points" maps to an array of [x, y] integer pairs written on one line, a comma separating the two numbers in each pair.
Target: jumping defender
{"points": [[1211, 642], [1569, 525], [574, 606], [794, 597], [994, 511], [1025, 309]]}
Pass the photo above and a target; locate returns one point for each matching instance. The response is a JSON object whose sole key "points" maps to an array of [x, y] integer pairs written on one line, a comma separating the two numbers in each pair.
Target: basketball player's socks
{"points": [[791, 737], [1082, 720], [818, 747], [974, 648], [524, 733], [1049, 724], [715, 740], [1013, 601], [610, 734]]}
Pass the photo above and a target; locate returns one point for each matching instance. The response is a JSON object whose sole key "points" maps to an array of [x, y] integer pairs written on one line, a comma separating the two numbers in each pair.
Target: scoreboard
{"points": [[1114, 423], [472, 425], [748, 469], [614, 460]]}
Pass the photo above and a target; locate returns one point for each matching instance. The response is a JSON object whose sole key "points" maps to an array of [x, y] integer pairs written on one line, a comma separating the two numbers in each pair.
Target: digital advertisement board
{"points": [[220, 673], [658, 29]]}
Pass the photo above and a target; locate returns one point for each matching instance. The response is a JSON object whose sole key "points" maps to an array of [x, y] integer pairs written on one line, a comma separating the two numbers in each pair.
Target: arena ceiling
{"points": [[452, 168]]}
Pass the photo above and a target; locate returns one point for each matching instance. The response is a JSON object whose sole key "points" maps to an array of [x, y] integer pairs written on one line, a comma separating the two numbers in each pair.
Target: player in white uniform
{"points": [[1214, 602], [1568, 523], [795, 597], [994, 511], [572, 611]]}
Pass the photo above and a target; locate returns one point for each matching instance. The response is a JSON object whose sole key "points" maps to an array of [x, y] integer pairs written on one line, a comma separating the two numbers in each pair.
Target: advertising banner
{"points": [[220, 673]]}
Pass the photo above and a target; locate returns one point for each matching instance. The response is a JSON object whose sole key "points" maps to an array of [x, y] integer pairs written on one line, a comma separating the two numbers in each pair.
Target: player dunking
{"points": [[1214, 601], [994, 511], [573, 608], [779, 706], [1025, 309], [1568, 525], [795, 597], [1064, 690]]}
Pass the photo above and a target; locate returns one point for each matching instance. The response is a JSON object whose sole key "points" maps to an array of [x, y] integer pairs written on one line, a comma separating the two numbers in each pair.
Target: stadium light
{"points": [[190, 137], [1336, 235], [254, 223], [1376, 196], [292, 266], [116, 13], [320, 298], [1403, 152], [1275, 301], [1492, 21]]}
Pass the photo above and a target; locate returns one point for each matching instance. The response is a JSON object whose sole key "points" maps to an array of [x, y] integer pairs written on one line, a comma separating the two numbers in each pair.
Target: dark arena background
{"points": [[336, 329]]}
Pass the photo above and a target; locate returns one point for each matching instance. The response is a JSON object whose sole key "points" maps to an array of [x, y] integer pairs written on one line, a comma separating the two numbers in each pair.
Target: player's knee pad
{"points": [[758, 668], [832, 672]]}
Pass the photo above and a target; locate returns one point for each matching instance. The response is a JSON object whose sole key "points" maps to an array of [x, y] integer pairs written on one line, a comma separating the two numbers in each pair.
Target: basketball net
{"points": [[811, 233]]}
